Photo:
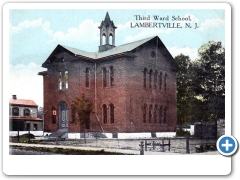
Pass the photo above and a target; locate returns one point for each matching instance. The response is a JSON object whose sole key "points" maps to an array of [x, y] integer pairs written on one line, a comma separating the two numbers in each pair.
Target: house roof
{"points": [[22, 102], [25, 118], [116, 51]]}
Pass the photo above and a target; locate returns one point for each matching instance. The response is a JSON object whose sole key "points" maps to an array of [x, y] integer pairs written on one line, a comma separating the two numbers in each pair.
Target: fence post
{"points": [[162, 145], [153, 145], [145, 145], [187, 145], [169, 144], [141, 148]]}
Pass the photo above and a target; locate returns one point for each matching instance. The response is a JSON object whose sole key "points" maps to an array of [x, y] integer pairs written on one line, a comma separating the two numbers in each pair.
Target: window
{"points": [[87, 77], [104, 109], [155, 79], [165, 82], [54, 114], [104, 77], [66, 79], [150, 79], [60, 81], [28, 126], [73, 109], [150, 113], [26, 112], [145, 78], [87, 124], [160, 81], [155, 113], [35, 127], [15, 111], [165, 115], [144, 112], [63, 80], [160, 115], [111, 76], [111, 113]]}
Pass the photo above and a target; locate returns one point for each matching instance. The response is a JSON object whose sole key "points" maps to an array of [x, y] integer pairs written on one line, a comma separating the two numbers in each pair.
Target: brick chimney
{"points": [[14, 97]]}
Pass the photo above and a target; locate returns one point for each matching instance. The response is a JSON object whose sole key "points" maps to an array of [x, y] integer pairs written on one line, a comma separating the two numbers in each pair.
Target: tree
{"points": [[83, 107], [210, 79]]}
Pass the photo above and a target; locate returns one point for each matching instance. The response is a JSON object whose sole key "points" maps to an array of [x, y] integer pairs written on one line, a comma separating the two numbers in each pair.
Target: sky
{"points": [[34, 33]]}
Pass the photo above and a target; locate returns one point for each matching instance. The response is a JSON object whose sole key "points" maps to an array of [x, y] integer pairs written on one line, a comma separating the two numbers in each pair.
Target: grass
{"points": [[66, 151]]}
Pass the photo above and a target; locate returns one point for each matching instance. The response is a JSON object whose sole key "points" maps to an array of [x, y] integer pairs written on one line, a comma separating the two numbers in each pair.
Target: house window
{"points": [[66, 79], [35, 127], [104, 77], [111, 76], [26, 112], [160, 81], [104, 109], [155, 79], [15, 111], [165, 115], [87, 77], [60, 84], [150, 113], [63, 80], [28, 127], [54, 115], [165, 82], [160, 115], [144, 112], [150, 79], [145, 78], [111, 113], [155, 113], [73, 109]]}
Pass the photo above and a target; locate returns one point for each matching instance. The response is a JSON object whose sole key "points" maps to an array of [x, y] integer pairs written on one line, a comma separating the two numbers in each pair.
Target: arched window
{"points": [[54, 115], [15, 111], [155, 113], [150, 113], [160, 81], [155, 79], [66, 79], [160, 115], [104, 112], [60, 84], [104, 77], [165, 82], [104, 39], [165, 115], [111, 113], [145, 78], [150, 79], [87, 83], [73, 111], [110, 39], [144, 113], [111, 76]]}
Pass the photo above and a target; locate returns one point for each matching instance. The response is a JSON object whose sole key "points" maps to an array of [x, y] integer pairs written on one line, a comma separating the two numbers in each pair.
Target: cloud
{"points": [[25, 82], [84, 31], [191, 52], [26, 24], [211, 24]]}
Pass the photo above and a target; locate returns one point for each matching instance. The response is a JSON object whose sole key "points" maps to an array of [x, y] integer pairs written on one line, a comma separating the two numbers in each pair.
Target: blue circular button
{"points": [[227, 145]]}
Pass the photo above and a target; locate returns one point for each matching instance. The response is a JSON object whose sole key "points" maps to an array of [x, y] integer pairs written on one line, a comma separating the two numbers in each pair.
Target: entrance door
{"points": [[63, 115]]}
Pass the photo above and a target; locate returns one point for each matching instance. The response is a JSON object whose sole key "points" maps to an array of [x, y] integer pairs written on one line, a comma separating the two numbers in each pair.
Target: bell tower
{"points": [[107, 34]]}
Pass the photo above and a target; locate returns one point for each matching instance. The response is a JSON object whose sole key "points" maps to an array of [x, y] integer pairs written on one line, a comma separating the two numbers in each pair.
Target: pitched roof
{"points": [[116, 51], [22, 102]]}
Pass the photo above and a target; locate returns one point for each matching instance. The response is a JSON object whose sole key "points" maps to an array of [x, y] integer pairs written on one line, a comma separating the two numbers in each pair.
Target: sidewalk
{"points": [[123, 151]]}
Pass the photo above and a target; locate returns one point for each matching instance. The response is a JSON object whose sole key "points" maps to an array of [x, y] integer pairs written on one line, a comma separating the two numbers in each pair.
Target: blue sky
{"points": [[35, 33]]}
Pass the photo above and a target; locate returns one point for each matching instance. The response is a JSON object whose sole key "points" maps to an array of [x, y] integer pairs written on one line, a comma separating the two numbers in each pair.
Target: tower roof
{"points": [[107, 21]]}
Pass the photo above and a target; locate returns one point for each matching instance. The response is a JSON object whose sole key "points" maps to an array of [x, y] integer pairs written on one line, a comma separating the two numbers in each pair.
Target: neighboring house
{"points": [[23, 115], [132, 86]]}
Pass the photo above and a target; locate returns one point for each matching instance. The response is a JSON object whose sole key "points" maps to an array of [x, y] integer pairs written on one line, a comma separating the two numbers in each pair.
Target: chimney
{"points": [[14, 97]]}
